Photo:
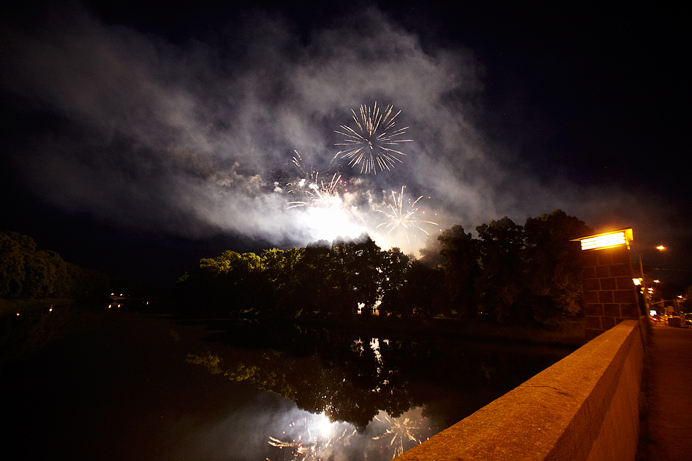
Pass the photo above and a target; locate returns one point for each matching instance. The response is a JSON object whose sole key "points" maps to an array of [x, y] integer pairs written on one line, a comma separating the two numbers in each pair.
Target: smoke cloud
{"points": [[196, 138]]}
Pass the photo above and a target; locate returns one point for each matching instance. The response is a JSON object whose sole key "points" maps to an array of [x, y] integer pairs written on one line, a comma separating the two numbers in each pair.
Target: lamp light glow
{"points": [[606, 240]]}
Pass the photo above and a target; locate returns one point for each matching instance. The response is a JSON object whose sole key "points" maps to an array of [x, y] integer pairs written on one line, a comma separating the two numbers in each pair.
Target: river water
{"points": [[142, 387]]}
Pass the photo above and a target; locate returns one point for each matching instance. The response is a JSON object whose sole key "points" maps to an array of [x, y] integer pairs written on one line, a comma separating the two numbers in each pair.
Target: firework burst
{"points": [[371, 144], [403, 218]]}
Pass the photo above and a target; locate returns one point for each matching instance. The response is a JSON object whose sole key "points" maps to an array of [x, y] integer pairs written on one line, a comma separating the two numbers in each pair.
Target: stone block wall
{"points": [[610, 296]]}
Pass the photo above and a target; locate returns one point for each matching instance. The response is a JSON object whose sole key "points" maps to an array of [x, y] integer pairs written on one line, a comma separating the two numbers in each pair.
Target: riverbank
{"points": [[478, 329], [28, 325], [570, 334]]}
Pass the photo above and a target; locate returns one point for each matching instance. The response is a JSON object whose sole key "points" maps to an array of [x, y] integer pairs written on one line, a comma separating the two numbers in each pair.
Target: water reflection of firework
{"points": [[403, 218], [300, 451], [370, 145], [399, 432], [308, 446]]}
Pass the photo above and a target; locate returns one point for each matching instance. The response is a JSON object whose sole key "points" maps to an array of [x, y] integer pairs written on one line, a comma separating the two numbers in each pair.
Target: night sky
{"points": [[139, 137]]}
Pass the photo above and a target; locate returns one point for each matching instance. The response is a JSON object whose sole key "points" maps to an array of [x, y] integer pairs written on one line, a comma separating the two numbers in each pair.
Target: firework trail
{"points": [[305, 173], [406, 219], [370, 144]]}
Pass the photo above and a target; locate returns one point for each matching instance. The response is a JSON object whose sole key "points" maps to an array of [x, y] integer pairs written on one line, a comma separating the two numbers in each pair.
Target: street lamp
{"points": [[641, 273]]}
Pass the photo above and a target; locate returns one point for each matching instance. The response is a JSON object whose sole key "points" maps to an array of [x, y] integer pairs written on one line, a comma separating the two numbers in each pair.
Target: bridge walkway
{"points": [[667, 426]]}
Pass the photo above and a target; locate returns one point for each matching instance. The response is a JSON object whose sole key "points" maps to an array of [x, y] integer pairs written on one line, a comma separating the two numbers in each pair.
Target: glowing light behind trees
{"points": [[331, 210]]}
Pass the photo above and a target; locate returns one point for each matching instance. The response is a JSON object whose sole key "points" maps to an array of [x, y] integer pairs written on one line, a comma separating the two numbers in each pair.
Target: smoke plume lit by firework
{"points": [[189, 139]]}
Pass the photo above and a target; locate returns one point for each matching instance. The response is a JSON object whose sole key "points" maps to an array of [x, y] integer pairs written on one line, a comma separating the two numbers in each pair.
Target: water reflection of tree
{"points": [[352, 379], [313, 385]]}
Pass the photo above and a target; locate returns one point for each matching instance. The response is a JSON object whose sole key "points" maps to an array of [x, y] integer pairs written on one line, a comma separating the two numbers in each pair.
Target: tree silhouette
{"points": [[26, 272], [554, 271], [500, 284], [460, 255]]}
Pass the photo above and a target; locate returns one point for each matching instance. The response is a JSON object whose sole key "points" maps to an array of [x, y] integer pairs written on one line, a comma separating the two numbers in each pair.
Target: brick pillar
{"points": [[610, 296]]}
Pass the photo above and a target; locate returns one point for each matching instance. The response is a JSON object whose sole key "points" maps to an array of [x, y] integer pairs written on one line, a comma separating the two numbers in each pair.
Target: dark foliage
{"points": [[319, 281], [510, 274], [26, 272]]}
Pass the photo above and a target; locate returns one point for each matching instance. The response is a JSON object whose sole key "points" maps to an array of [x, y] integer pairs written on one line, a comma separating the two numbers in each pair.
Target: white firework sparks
{"points": [[403, 218], [370, 145], [316, 191]]}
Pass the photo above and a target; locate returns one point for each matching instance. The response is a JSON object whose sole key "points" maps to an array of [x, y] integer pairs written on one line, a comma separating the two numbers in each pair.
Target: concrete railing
{"points": [[585, 407]]}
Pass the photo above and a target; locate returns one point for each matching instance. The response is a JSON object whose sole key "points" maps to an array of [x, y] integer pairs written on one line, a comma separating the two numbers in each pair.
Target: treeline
{"points": [[319, 280], [26, 272], [510, 273]]}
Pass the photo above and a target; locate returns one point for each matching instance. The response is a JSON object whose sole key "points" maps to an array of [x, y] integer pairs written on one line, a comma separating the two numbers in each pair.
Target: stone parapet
{"points": [[585, 407]]}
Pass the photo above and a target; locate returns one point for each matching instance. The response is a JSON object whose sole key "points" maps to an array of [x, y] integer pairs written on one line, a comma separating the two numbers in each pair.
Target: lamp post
{"points": [[641, 273], [609, 293]]}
